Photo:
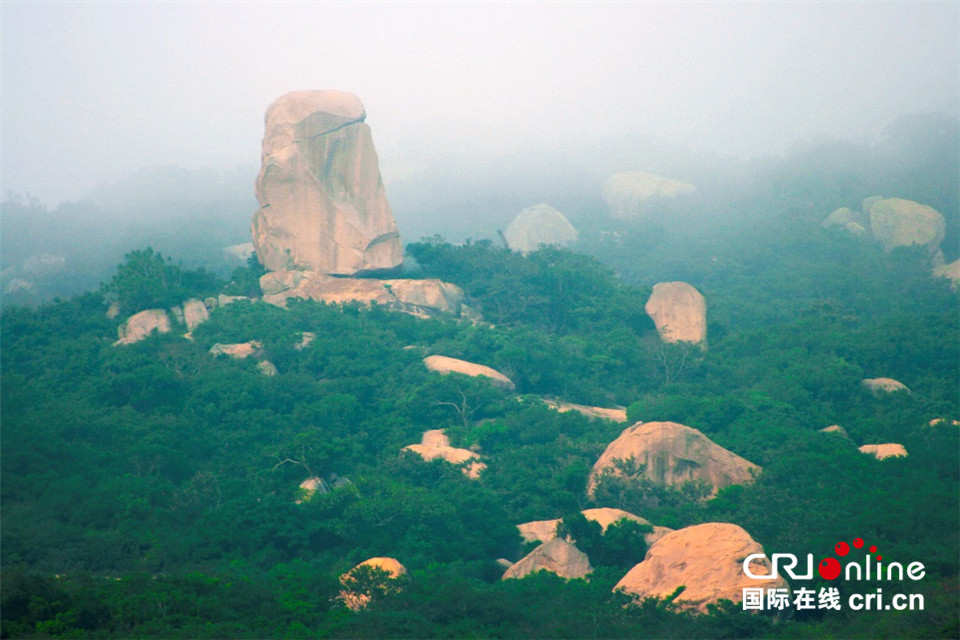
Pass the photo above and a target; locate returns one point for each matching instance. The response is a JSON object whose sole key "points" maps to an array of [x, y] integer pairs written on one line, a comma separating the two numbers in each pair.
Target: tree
{"points": [[146, 279]]}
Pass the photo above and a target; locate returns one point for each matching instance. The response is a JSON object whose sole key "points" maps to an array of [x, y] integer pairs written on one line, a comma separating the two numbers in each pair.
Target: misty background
{"points": [[129, 124]]}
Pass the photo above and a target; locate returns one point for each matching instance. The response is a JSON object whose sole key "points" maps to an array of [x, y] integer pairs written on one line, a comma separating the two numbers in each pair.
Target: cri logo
{"points": [[830, 568]]}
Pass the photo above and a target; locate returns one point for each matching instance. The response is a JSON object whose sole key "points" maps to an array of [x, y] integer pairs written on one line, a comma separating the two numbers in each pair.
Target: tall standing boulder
{"points": [[671, 453], [679, 311], [539, 225], [322, 203]]}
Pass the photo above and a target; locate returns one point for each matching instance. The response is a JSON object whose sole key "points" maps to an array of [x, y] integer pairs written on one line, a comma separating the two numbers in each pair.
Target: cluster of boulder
{"points": [[705, 560], [879, 451], [876, 386], [191, 313], [628, 195], [896, 222]]}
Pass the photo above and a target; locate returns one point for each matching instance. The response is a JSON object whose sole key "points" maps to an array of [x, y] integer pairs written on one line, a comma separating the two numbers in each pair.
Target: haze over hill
{"points": [[95, 91]]}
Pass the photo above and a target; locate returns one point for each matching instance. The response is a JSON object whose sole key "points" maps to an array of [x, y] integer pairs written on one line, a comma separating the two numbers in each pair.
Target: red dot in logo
{"points": [[873, 548], [842, 548], [858, 542], [829, 568], [879, 558]]}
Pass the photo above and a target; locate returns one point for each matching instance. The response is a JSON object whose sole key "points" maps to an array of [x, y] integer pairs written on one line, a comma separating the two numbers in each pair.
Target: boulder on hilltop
{"points": [[671, 453], [323, 207], [707, 560], [539, 225], [556, 556], [679, 311]]}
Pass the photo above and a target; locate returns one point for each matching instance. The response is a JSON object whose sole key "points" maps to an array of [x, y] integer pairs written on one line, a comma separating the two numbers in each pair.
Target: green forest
{"points": [[151, 490]]}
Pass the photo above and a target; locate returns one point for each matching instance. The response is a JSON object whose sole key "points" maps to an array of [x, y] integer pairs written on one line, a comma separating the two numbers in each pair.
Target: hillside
{"points": [[153, 489]]}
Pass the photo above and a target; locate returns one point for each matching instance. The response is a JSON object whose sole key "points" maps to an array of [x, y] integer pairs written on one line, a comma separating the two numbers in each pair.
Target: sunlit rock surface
{"points": [[556, 556], [142, 324], [322, 203], [419, 297], [238, 350], [885, 450], [356, 593], [884, 385], [435, 444], [625, 193], [617, 415], [310, 487], [707, 560], [679, 311], [837, 429], [546, 530], [539, 225], [445, 365], [673, 454]]}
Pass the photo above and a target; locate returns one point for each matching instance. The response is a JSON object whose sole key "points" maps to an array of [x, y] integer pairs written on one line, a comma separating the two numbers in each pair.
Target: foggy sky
{"points": [[92, 92]]}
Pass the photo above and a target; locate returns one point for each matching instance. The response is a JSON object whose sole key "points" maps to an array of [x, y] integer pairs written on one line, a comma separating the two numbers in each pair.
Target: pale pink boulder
{"points": [[707, 560], [672, 454], [323, 207], [679, 311]]}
